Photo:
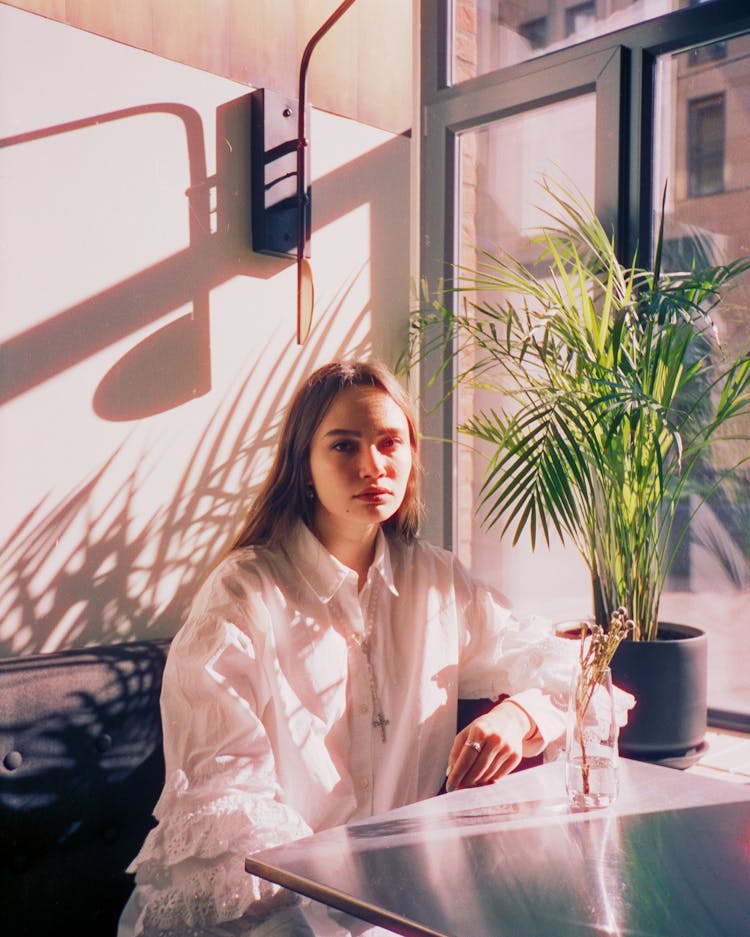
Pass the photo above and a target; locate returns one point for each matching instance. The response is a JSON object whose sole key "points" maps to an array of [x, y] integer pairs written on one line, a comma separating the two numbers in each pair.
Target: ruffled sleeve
{"points": [[221, 799], [521, 658]]}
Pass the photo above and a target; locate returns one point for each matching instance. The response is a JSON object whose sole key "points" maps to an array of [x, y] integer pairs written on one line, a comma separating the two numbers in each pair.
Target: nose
{"points": [[373, 463]]}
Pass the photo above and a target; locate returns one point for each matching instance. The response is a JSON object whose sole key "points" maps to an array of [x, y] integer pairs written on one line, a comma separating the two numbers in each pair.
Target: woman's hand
{"points": [[489, 747]]}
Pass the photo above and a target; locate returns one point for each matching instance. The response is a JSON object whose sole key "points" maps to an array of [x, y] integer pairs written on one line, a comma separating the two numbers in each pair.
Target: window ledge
{"points": [[727, 756]]}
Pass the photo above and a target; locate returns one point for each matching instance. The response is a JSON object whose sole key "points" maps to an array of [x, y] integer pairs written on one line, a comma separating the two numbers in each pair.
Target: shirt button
{"points": [[364, 783], [364, 708]]}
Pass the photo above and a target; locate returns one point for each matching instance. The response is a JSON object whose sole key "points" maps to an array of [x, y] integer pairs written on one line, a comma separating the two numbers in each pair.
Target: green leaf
{"points": [[610, 392]]}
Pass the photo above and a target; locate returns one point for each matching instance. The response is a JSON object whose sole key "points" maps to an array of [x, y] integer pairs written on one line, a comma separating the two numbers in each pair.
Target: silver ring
{"points": [[475, 745]]}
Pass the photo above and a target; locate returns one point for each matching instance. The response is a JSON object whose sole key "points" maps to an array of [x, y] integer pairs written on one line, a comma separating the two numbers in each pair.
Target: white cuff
{"points": [[550, 721]]}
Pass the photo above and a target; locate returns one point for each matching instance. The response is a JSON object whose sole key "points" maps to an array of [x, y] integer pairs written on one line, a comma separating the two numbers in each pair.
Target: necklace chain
{"points": [[379, 721], [364, 642]]}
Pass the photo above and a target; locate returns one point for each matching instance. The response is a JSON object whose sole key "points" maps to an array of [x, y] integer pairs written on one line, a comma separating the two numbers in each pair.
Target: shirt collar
{"points": [[324, 573], [381, 563]]}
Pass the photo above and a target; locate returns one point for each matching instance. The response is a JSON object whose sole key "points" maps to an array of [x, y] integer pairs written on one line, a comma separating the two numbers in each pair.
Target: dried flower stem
{"points": [[595, 656]]}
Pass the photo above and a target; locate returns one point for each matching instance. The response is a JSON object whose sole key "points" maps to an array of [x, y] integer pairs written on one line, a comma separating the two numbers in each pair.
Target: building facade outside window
{"points": [[579, 18], [505, 32], [534, 32]]}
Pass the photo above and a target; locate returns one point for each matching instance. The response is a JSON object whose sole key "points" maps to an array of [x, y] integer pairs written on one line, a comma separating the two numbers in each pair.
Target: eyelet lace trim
{"points": [[191, 867]]}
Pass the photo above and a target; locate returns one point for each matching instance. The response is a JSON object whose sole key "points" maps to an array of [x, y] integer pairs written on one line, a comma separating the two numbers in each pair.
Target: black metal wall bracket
{"points": [[281, 209], [274, 120]]}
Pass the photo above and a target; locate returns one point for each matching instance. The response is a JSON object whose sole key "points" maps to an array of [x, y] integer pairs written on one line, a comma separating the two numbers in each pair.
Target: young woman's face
{"points": [[360, 462]]}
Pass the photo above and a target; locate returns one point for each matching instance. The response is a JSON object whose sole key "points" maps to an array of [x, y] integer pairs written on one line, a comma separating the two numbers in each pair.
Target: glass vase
{"points": [[591, 754]]}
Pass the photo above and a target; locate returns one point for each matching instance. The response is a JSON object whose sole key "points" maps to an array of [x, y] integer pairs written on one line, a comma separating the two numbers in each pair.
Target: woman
{"points": [[316, 678]]}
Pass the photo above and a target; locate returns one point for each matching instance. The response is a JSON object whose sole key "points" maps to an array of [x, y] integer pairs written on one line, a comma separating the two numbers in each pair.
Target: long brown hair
{"points": [[282, 499]]}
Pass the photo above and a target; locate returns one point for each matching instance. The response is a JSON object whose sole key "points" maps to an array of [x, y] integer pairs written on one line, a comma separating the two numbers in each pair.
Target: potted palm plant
{"points": [[612, 395]]}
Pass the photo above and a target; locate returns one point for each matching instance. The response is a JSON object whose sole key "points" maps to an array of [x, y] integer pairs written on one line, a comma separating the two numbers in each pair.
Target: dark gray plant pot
{"points": [[668, 678]]}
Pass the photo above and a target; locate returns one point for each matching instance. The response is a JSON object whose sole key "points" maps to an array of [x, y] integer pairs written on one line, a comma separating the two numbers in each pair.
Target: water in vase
{"points": [[593, 784]]}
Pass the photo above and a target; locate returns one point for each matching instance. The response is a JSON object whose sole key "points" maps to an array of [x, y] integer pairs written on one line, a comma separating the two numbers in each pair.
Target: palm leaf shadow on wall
{"points": [[105, 584]]}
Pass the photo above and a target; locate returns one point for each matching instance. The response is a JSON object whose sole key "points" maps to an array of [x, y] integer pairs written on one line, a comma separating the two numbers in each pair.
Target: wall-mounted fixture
{"points": [[281, 203]]}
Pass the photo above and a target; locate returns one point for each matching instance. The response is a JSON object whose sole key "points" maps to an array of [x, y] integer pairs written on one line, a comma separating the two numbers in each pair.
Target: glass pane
{"points": [[492, 34], [703, 154], [501, 205]]}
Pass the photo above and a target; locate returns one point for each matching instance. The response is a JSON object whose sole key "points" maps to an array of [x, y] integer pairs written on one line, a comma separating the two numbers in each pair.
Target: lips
{"points": [[374, 495]]}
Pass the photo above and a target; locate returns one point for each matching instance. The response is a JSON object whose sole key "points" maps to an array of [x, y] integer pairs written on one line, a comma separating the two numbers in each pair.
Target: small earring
{"points": [[310, 492]]}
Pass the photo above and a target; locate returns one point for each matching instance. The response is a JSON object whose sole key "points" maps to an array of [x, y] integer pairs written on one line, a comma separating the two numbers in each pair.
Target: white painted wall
{"points": [[146, 353]]}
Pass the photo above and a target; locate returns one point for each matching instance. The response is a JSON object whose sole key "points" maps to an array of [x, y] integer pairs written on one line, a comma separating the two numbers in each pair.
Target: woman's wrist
{"points": [[530, 729]]}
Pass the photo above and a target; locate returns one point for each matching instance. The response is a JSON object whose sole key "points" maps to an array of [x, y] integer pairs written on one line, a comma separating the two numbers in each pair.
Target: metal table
{"points": [[671, 857]]}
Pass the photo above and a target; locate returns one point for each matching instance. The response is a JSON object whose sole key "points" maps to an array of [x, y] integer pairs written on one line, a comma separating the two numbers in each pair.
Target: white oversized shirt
{"points": [[268, 708]]}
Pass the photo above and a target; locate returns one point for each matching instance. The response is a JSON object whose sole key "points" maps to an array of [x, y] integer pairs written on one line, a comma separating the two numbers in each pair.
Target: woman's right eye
{"points": [[344, 445]]}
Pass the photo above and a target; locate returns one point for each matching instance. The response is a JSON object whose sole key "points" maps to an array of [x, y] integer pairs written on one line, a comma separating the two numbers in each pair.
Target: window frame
{"points": [[621, 68]]}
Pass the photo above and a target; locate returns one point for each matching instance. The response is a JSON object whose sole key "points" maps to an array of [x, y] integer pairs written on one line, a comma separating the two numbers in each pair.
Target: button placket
{"points": [[348, 611]]}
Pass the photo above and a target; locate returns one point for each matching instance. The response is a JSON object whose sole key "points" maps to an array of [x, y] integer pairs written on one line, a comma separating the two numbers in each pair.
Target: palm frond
{"points": [[611, 390]]}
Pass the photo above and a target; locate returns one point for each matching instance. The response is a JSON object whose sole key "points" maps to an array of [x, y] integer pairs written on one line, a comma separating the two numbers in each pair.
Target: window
{"points": [[700, 154], [534, 32], [705, 145], [502, 203], [706, 54], [493, 34], [579, 17], [688, 127]]}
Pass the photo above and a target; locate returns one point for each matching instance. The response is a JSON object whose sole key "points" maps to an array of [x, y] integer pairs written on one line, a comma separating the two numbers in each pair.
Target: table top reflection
{"points": [[671, 857]]}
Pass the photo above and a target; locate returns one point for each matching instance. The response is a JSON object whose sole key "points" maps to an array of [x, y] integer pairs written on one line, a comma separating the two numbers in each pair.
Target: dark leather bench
{"points": [[81, 767]]}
